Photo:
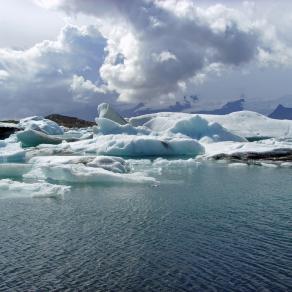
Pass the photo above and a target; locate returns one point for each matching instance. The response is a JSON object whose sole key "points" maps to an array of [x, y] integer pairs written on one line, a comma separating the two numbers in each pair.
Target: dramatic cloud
{"points": [[155, 48], [53, 76], [149, 51]]}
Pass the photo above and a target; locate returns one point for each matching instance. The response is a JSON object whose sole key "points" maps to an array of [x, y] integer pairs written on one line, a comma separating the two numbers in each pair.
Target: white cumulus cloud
{"points": [[149, 51]]}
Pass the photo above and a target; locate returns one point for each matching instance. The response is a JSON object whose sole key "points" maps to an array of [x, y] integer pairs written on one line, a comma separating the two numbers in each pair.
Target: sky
{"points": [[67, 56]]}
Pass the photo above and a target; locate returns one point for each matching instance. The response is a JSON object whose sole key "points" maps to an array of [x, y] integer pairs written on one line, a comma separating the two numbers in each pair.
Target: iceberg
{"points": [[13, 188], [244, 123], [270, 149], [116, 151], [8, 170], [197, 127], [32, 138], [41, 124], [85, 169], [106, 111], [11, 152], [108, 127], [114, 164], [79, 173], [139, 146]]}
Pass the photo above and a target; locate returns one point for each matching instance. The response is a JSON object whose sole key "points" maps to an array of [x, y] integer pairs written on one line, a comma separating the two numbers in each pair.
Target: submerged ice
{"points": [[109, 152]]}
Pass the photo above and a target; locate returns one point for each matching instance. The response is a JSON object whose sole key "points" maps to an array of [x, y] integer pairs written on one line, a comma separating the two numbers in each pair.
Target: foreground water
{"points": [[205, 227]]}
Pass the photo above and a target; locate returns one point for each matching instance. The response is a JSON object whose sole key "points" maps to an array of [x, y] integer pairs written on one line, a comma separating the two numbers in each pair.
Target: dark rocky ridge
{"points": [[280, 155], [5, 132], [70, 122]]}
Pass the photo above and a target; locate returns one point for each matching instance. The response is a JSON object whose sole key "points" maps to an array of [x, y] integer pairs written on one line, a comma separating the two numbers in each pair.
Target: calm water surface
{"points": [[205, 228]]}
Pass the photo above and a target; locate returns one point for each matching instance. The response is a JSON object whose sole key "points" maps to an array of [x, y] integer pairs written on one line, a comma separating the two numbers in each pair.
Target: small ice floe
{"points": [[79, 173], [237, 164], [269, 165], [86, 169], [286, 164], [173, 163], [13, 188]]}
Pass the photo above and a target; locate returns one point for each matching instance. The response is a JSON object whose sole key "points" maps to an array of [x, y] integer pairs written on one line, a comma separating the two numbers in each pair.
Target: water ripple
{"points": [[214, 232]]}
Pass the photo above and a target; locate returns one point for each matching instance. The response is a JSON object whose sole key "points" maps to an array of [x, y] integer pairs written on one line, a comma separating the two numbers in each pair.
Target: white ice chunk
{"points": [[41, 124], [114, 164], [197, 127], [107, 127], [237, 164], [79, 173], [59, 160], [243, 123], [192, 126], [269, 165], [11, 152], [13, 169], [106, 111], [10, 188], [166, 163], [286, 164], [269, 145], [139, 146], [32, 138]]}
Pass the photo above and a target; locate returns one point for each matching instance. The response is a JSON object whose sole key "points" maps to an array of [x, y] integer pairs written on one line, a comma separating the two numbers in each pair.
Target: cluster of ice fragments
{"points": [[43, 151]]}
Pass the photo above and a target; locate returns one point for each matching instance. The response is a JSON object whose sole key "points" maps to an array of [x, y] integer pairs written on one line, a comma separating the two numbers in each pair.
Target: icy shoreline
{"points": [[44, 151]]}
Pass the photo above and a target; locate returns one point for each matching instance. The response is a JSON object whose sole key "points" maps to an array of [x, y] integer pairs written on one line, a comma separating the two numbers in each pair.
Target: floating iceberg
{"points": [[198, 128], [42, 125], [114, 164], [244, 123], [115, 151], [106, 111], [11, 152], [139, 146], [109, 127], [270, 149], [32, 138], [8, 170], [79, 173], [10, 188], [85, 169]]}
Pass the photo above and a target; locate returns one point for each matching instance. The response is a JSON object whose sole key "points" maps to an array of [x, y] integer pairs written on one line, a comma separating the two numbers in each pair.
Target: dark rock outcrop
{"points": [[281, 155], [6, 130], [70, 122]]}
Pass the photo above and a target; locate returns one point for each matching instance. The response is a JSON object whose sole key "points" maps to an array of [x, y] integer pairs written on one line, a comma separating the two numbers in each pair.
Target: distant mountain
{"points": [[229, 107], [282, 113], [70, 122], [180, 106]]}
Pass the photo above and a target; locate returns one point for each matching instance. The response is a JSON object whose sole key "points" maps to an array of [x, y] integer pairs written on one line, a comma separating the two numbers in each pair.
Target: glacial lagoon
{"points": [[205, 227]]}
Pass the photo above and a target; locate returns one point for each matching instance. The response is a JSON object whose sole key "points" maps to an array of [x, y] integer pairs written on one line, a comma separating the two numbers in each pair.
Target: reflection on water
{"points": [[203, 228]]}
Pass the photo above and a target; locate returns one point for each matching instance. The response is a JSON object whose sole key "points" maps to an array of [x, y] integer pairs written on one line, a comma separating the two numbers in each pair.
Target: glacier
{"points": [[138, 149]]}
